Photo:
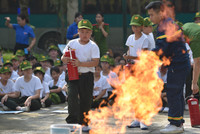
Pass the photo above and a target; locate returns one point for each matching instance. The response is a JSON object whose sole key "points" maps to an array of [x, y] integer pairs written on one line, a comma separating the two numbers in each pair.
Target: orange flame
{"points": [[138, 97], [171, 29]]}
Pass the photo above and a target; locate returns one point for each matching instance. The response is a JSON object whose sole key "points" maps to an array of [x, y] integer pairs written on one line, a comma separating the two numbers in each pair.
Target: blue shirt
{"points": [[23, 33], [176, 50], [73, 29]]}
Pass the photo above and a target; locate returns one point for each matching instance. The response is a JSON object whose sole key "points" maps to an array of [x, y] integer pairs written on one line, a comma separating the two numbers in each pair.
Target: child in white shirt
{"points": [[7, 92], [137, 41], [87, 53], [147, 30], [100, 89], [44, 93], [28, 88], [111, 76], [56, 94]]}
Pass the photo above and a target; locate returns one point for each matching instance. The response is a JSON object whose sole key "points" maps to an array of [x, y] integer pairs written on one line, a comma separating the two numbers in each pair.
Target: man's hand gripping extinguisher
{"points": [[72, 70], [194, 111]]}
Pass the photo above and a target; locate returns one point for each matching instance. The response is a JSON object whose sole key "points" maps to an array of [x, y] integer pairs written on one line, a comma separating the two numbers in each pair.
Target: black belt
{"points": [[85, 73]]}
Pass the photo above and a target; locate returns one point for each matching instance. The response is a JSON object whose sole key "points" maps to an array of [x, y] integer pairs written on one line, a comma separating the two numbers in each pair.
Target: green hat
{"points": [[39, 69], [57, 63], [197, 15], [105, 58], [7, 62], [43, 58], [53, 47], [14, 57], [85, 24], [147, 22], [20, 52], [25, 65], [137, 20], [112, 61], [5, 69]]}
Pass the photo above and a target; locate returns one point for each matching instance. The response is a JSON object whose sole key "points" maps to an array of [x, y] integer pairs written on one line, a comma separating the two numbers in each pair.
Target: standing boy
{"points": [[177, 70], [87, 53], [147, 30], [137, 41]]}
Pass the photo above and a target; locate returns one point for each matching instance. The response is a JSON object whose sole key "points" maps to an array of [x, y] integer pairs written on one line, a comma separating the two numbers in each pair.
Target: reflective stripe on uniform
{"points": [[165, 36], [175, 118]]}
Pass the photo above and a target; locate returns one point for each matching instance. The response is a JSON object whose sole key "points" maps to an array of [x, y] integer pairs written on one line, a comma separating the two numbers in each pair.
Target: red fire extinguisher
{"points": [[194, 111], [72, 70]]}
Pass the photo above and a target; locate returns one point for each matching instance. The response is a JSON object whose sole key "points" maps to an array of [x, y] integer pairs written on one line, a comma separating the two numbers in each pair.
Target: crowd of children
{"points": [[29, 83]]}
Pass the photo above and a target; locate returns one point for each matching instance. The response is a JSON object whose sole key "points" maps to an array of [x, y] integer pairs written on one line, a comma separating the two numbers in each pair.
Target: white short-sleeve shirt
{"points": [[27, 88], [136, 46], [44, 90], [62, 76], [48, 72], [101, 84], [8, 88], [60, 84], [14, 75], [84, 53], [111, 76], [47, 78]]}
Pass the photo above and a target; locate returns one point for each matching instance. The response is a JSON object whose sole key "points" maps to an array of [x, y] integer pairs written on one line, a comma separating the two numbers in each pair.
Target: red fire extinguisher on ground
{"points": [[194, 111], [72, 70]]}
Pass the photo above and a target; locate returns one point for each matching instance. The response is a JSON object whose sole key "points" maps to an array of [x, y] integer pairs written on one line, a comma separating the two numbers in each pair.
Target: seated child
{"points": [[100, 89], [109, 74], [15, 62], [55, 86], [44, 93], [53, 52], [14, 74], [7, 95], [21, 55], [59, 64], [28, 87], [47, 78]]}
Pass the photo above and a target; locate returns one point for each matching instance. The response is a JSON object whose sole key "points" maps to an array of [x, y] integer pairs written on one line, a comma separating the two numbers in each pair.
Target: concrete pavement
{"points": [[39, 122]]}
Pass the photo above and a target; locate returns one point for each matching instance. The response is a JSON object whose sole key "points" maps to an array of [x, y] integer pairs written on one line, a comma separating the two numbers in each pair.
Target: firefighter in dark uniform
{"points": [[178, 68]]}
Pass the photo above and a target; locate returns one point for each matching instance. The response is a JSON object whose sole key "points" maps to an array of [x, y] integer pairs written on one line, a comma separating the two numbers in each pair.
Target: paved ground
{"points": [[39, 122]]}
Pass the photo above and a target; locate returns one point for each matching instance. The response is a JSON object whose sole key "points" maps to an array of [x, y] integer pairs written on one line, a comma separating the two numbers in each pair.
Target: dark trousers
{"points": [[35, 103], [47, 102], [82, 88], [188, 90], [164, 91], [20, 46], [11, 103], [176, 78], [99, 103]]}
